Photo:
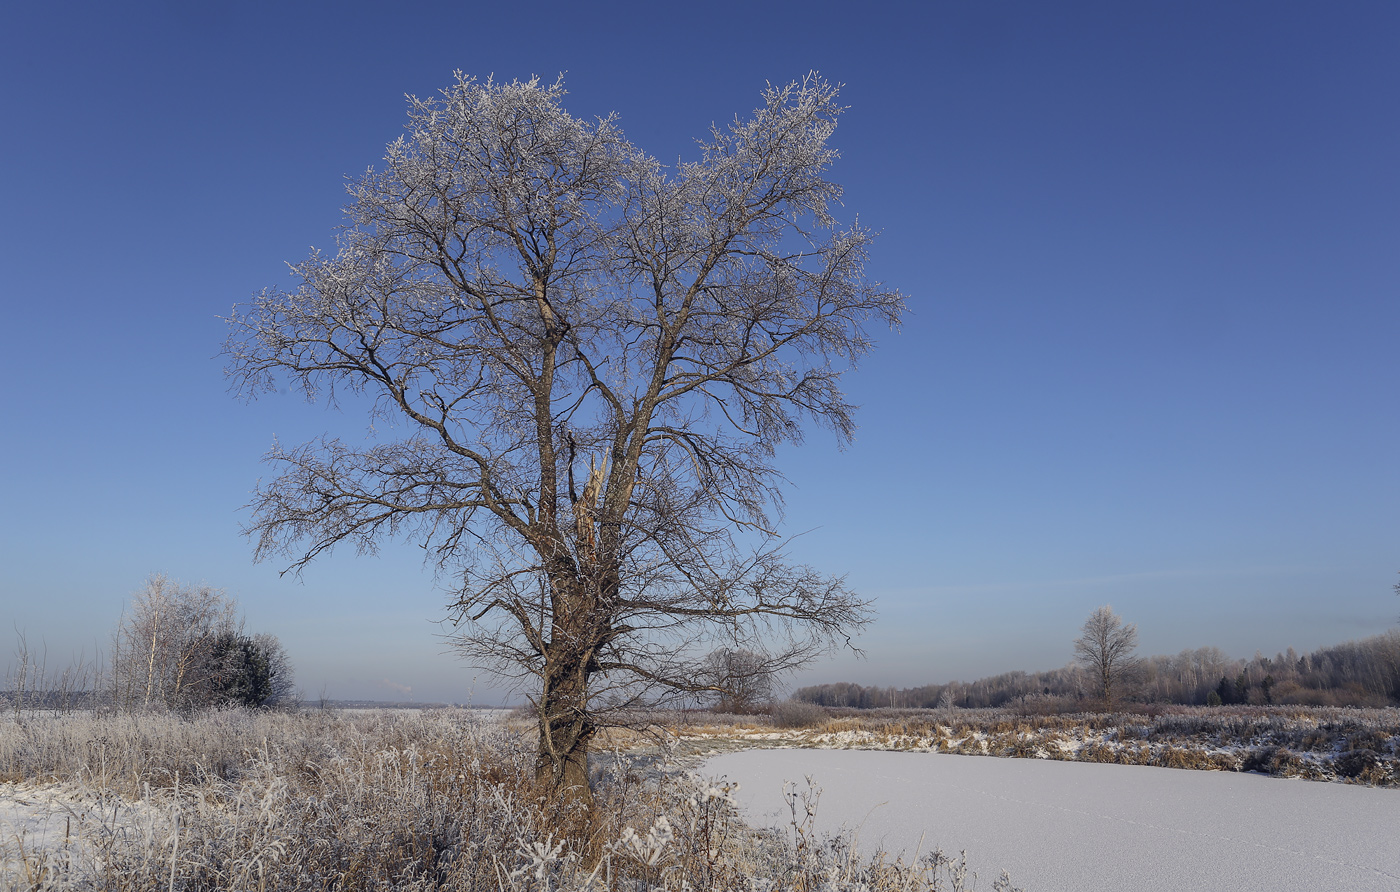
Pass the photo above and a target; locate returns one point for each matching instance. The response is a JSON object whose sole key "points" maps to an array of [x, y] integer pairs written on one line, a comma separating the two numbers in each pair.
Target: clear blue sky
{"points": [[1153, 251]]}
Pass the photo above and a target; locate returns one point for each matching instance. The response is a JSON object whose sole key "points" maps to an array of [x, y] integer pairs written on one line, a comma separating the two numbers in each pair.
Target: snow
{"points": [[1067, 826], [42, 819], [35, 817]]}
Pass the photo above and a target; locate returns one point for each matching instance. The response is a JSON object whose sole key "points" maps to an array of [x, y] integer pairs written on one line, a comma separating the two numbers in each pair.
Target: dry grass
{"points": [[1316, 743], [389, 800]]}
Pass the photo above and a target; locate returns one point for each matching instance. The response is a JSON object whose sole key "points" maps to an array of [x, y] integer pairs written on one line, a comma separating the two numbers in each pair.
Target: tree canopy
{"points": [[592, 358]]}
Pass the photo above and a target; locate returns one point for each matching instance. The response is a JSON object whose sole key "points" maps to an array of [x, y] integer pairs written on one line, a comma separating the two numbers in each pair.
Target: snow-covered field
{"points": [[1064, 826]]}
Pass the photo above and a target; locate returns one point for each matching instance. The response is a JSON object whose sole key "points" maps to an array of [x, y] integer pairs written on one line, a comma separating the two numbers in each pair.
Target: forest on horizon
{"points": [[1363, 673]]}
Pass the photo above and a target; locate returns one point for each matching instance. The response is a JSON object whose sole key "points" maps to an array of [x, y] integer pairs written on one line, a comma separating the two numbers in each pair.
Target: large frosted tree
{"points": [[591, 358]]}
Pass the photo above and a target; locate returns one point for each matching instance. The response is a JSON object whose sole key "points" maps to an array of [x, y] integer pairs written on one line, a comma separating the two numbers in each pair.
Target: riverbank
{"points": [[1360, 746]]}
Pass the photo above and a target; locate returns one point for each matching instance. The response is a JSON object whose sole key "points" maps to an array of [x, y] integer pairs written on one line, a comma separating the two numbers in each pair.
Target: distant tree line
{"points": [[1355, 673]]}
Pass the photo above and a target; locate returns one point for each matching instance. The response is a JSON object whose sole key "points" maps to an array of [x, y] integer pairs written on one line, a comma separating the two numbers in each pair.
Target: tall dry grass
{"points": [[401, 800]]}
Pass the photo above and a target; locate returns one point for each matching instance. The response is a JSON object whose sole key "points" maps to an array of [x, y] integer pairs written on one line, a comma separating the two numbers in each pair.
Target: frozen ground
{"points": [[1068, 826], [48, 818]]}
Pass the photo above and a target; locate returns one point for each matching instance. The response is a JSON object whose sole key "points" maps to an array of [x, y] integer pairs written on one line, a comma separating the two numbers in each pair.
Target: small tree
{"points": [[248, 670], [742, 679], [1105, 647]]}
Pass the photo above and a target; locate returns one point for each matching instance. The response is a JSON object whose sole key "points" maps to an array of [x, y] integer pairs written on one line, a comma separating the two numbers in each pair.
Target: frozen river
{"points": [[1067, 826]]}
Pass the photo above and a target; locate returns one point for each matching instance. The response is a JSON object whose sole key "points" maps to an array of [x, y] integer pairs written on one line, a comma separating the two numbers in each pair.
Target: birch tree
{"points": [[592, 358], [160, 649]]}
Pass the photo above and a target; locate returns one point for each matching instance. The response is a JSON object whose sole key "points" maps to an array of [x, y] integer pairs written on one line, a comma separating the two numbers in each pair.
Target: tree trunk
{"points": [[566, 723], [566, 729], [151, 659], [565, 717]]}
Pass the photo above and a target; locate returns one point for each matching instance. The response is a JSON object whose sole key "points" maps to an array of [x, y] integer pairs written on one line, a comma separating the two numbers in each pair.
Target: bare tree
{"points": [[1105, 647], [281, 678], [595, 357], [25, 676], [742, 679], [31, 685]]}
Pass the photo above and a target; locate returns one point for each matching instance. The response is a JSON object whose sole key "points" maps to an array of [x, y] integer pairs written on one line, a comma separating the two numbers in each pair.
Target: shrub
{"points": [[1356, 764], [1261, 759], [796, 714], [1287, 764], [1366, 739]]}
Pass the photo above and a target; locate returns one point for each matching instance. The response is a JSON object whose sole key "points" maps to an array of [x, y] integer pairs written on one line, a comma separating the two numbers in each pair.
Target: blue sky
{"points": [[1150, 359]]}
